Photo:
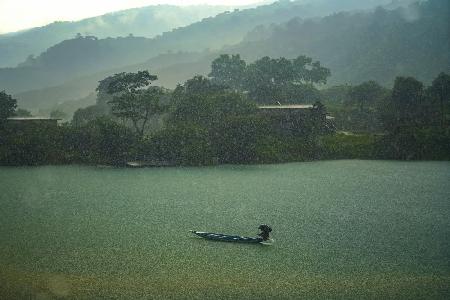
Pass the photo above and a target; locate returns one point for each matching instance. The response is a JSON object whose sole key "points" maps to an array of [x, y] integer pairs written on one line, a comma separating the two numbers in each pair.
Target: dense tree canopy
{"points": [[209, 123], [440, 89], [270, 80], [102, 140], [126, 82], [201, 101], [406, 100], [366, 94], [228, 71], [7, 105], [133, 100]]}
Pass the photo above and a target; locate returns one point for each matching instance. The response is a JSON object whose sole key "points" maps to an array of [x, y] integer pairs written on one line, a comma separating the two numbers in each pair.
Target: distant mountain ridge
{"points": [[84, 55], [379, 45], [144, 21], [356, 46]]}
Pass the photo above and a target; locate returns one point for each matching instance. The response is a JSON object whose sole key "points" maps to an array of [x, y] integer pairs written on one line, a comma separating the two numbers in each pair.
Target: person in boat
{"points": [[265, 231]]}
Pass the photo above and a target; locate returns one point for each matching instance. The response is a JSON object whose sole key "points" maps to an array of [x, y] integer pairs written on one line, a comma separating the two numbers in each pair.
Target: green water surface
{"points": [[342, 230]]}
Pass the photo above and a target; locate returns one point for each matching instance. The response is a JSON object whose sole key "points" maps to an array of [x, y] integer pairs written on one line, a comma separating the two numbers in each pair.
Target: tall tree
{"points": [[133, 100], [228, 71], [138, 107], [222, 121], [403, 108], [260, 81], [268, 79], [128, 82], [202, 102]]}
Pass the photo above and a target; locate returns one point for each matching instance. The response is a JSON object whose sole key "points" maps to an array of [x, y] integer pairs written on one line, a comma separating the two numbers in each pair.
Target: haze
{"points": [[17, 15]]}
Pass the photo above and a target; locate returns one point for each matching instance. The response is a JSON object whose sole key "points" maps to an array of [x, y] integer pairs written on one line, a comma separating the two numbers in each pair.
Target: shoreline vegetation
{"points": [[268, 111]]}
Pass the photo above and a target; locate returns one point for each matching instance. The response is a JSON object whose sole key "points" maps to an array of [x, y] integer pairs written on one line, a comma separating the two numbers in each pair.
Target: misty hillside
{"points": [[357, 47], [85, 55], [81, 87], [145, 21]]}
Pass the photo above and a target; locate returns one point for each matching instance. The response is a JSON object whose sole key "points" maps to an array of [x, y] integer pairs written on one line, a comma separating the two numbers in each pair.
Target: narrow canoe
{"points": [[227, 238]]}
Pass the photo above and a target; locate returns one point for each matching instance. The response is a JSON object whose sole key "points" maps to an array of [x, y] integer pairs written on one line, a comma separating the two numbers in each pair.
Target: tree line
{"points": [[409, 121], [215, 119]]}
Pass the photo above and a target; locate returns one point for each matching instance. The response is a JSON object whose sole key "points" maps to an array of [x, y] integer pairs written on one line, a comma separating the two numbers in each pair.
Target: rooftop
{"points": [[33, 119], [287, 106]]}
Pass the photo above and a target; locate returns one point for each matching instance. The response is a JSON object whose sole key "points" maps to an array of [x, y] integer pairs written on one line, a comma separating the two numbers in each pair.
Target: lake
{"points": [[343, 229]]}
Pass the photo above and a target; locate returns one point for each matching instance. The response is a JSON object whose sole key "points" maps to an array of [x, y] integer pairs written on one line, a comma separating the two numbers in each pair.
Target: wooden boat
{"points": [[227, 238]]}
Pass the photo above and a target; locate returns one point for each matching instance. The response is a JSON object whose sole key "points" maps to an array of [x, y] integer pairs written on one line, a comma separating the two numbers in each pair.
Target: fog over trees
{"points": [[372, 76], [376, 44]]}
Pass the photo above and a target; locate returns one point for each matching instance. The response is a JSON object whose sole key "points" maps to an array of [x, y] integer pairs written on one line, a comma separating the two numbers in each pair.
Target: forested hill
{"points": [[86, 55], [145, 21], [357, 47], [230, 28], [379, 45]]}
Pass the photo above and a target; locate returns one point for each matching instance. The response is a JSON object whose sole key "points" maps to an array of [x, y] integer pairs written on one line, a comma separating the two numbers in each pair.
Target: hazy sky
{"points": [[20, 14]]}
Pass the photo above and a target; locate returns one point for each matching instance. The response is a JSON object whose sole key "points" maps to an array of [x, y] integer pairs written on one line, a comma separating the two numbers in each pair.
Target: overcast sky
{"points": [[20, 14]]}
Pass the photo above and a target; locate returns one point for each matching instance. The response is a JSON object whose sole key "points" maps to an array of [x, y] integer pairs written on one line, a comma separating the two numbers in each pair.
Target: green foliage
{"points": [[126, 82], [356, 46], [228, 71], [269, 80], [335, 95], [131, 101], [231, 129], [422, 143], [56, 62], [412, 118], [299, 93], [211, 124], [235, 139], [404, 107], [360, 107], [440, 90], [409, 118], [270, 149], [198, 85], [366, 95], [202, 102], [361, 46], [183, 144], [350, 146], [8, 105], [143, 22], [102, 141], [222, 122], [30, 145]]}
